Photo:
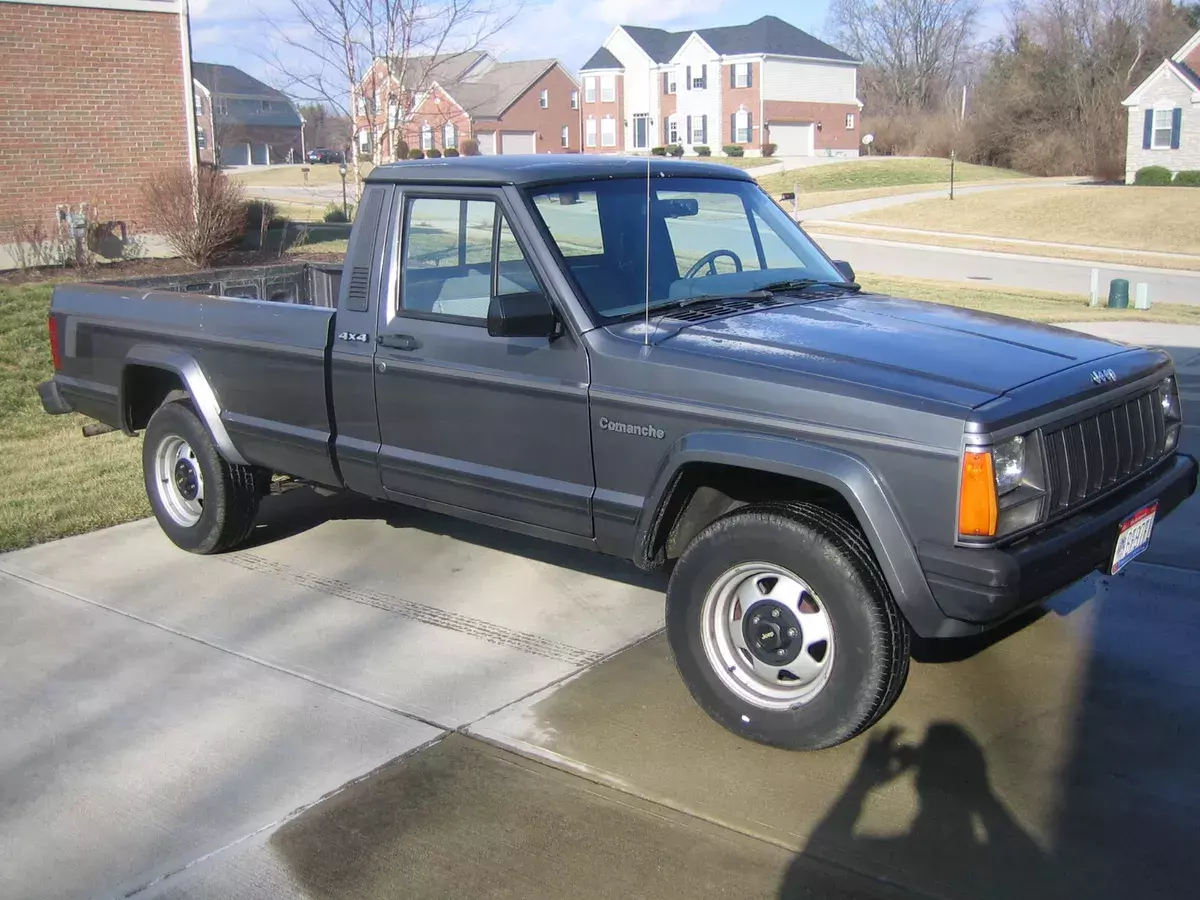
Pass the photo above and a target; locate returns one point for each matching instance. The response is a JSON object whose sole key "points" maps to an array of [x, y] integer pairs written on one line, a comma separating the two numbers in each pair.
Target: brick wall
{"points": [[526, 114], [833, 135], [599, 109], [737, 97], [92, 107]]}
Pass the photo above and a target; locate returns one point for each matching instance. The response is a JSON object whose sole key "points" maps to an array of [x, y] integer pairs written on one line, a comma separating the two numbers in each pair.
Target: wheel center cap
{"points": [[185, 480], [768, 636], [772, 633]]}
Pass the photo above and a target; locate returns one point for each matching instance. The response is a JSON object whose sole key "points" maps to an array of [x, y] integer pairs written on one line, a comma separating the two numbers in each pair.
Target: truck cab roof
{"points": [[546, 168]]}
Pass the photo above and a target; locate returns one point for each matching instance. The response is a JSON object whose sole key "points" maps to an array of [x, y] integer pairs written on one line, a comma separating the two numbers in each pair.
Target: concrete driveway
{"points": [[376, 702]]}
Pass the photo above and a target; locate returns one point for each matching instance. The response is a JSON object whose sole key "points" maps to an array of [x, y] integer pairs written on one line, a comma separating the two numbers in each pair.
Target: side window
{"points": [[449, 263], [573, 219]]}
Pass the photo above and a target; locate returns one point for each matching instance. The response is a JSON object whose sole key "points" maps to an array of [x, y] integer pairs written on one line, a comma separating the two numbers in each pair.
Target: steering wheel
{"points": [[710, 259]]}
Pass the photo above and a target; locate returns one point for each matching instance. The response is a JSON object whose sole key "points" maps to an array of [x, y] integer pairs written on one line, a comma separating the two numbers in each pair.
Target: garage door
{"points": [[487, 143], [793, 140], [517, 142], [235, 154]]}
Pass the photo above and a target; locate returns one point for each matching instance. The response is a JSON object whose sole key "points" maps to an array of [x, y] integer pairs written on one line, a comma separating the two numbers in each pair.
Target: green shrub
{"points": [[675, 150], [261, 215], [450, 153], [401, 149], [703, 151], [1187, 178], [433, 153], [768, 149], [1153, 176], [469, 147], [334, 214], [734, 150], [416, 153], [658, 151]]}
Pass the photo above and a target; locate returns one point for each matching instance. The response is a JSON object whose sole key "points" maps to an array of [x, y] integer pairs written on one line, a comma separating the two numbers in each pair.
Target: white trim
{"points": [[158, 6], [1135, 99], [189, 89], [684, 46], [817, 59], [1192, 43], [1155, 128], [640, 49]]}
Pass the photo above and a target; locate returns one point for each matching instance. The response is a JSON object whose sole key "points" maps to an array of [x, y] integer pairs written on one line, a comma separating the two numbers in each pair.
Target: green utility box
{"points": [[1118, 294]]}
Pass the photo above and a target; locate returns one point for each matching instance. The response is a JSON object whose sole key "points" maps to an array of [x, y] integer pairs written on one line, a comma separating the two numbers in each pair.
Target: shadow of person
{"points": [[962, 841]]}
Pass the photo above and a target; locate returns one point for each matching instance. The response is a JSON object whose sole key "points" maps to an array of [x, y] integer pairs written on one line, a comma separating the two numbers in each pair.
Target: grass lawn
{"points": [[880, 172], [292, 176], [738, 162], [53, 481], [1036, 306], [1124, 218]]}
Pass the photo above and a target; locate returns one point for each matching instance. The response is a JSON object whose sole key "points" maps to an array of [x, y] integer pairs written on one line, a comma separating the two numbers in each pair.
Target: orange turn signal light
{"points": [[977, 508]]}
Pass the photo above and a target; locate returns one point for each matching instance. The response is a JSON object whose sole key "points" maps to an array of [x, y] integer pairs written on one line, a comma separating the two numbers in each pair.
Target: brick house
{"points": [[765, 82], [527, 106], [1164, 115], [95, 99], [243, 122]]}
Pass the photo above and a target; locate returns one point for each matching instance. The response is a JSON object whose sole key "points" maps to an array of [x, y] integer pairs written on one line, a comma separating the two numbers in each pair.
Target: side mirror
{"points": [[845, 268], [521, 315]]}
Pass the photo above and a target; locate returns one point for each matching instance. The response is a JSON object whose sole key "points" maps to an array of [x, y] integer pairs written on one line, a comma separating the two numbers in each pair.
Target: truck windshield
{"points": [[709, 237]]}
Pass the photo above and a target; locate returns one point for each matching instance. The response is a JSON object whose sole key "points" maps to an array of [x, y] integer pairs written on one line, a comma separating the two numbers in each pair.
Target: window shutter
{"points": [[1176, 126], [689, 78], [704, 129], [749, 126], [733, 128], [749, 75], [733, 75], [666, 82], [1148, 129], [687, 138], [704, 76]]}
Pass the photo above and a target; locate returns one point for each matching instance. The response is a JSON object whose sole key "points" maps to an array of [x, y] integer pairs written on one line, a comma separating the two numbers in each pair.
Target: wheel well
{"points": [[146, 388], [703, 492]]}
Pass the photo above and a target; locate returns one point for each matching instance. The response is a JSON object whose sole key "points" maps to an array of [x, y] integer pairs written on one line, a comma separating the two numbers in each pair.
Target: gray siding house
{"points": [[244, 122], [1164, 115]]}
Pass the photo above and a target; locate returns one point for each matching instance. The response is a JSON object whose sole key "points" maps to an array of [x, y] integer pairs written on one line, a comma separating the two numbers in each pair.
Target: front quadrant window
{"points": [[1161, 138], [608, 132], [458, 254], [708, 237]]}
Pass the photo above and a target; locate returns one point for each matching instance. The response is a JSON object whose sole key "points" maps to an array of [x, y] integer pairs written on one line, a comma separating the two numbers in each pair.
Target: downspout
{"points": [[189, 89]]}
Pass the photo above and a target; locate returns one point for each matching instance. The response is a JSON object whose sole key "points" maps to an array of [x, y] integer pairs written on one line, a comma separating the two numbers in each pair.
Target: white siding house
{"points": [[1164, 116]]}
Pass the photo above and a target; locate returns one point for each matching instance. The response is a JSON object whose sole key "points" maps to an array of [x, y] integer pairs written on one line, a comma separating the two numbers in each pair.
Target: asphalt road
{"points": [[373, 702], [1005, 269]]}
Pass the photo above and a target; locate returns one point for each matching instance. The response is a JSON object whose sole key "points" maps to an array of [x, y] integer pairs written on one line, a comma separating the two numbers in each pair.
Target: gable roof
{"points": [[230, 81], [602, 59], [244, 98], [445, 68], [1180, 71], [768, 34], [490, 94], [1185, 51]]}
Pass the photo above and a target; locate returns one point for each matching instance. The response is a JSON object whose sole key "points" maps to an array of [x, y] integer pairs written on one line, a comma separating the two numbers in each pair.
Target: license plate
{"points": [[1133, 537]]}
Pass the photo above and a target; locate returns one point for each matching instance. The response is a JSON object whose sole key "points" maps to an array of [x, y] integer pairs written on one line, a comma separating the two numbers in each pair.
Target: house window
{"points": [[700, 79], [198, 101], [590, 132], [544, 99], [566, 136], [264, 106], [672, 87], [608, 88], [449, 136], [201, 139], [426, 137], [589, 90], [574, 99], [360, 105], [741, 127], [698, 129], [364, 140], [393, 113], [672, 130], [222, 106], [741, 75], [608, 132], [1161, 138], [849, 120]]}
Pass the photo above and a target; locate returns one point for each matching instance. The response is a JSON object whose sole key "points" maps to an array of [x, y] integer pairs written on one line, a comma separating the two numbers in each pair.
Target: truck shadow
{"points": [[302, 509]]}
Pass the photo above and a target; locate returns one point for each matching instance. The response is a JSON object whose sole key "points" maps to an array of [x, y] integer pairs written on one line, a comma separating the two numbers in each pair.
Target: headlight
{"points": [[1170, 400], [1008, 460]]}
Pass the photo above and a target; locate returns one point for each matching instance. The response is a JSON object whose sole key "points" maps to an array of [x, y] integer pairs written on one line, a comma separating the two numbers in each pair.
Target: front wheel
{"points": [[203, 503], [783, 628]]}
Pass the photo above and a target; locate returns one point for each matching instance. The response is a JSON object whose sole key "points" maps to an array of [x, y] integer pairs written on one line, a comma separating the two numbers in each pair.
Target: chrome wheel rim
{"points": [[767, 635], [179, 481]]}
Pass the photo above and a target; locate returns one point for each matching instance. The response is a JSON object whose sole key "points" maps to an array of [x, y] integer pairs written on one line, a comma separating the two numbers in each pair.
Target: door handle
{"points": [[399, 341]]}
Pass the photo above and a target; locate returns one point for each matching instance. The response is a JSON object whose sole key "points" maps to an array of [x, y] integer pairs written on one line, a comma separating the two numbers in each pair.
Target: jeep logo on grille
{"points": [[1103, 376]]}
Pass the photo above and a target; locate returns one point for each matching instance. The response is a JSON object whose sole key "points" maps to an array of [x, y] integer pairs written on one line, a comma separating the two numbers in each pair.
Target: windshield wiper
{"points": [[682, 302], [800, 284]]}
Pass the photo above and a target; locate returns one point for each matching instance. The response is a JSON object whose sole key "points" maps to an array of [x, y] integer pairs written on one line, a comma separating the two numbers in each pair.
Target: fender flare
{"points": [[836, 469], [194, 381]]}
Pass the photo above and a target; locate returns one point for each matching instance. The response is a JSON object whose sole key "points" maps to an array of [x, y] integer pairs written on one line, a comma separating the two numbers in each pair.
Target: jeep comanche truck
{"points": [[652, 360]]}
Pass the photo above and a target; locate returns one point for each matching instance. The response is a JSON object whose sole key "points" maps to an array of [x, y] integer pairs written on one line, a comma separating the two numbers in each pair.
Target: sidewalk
{"points": [[855, 207]]}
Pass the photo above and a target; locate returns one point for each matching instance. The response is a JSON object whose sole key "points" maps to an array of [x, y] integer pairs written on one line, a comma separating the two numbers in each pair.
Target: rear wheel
{"points": [[783, 628], [203, 503]]}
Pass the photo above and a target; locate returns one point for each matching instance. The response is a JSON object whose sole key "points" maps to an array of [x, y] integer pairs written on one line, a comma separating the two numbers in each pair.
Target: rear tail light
{"points": [[55, 351]]}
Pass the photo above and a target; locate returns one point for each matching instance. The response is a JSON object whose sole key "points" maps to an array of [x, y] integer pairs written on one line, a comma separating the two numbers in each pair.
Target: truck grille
{"points": [[1088, 457]]}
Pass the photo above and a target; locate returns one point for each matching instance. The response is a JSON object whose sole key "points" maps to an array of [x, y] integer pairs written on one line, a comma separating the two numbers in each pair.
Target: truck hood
{"points": [[928, 350]]}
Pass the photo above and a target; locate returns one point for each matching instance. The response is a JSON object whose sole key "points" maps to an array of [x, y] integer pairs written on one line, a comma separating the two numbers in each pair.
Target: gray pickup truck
{"points": [[654, 361]]}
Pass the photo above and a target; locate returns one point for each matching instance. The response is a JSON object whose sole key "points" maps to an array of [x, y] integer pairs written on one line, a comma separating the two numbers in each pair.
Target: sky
{"points": [[233, 31]]}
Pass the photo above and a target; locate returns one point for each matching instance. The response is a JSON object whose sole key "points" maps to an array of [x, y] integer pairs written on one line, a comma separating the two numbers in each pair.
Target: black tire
{"points": [[870, 666], [231, 492]]}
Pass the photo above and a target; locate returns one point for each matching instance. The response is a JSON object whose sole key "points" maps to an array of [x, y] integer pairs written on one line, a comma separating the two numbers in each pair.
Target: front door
{"points": [[490, 424], [641, 131]]}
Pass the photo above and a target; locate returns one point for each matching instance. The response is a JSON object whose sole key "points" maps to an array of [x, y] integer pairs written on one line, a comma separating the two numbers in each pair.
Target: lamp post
{"points": [[342, 172]]}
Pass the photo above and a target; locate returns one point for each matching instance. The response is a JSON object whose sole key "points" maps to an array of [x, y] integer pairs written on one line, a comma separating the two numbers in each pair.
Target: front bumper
{"points": [[986, 586], [52, 399]]}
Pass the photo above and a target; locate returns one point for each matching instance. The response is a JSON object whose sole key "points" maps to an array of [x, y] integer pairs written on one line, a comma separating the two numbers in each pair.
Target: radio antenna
{"points": [[649, 155]]}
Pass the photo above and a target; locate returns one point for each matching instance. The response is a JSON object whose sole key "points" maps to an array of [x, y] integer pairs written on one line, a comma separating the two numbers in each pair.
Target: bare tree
{"points": [[912, 48], [196, 213], [373, 60]]}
